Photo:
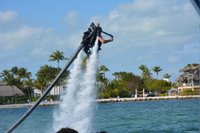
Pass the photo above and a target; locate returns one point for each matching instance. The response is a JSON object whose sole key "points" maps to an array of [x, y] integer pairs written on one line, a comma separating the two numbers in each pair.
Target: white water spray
{"points": [[77, 104], [86, 96], [63, 114]]}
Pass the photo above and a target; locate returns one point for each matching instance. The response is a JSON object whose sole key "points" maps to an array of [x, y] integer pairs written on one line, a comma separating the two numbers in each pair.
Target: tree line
{"points": [[123, 84]]}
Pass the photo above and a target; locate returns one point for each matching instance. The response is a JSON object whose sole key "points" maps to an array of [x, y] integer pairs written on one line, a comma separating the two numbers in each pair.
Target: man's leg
{"points": [[99, 45], [105, 41]]}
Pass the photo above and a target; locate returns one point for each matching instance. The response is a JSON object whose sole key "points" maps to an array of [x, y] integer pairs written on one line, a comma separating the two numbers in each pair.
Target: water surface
{"points": [[165, 116]]}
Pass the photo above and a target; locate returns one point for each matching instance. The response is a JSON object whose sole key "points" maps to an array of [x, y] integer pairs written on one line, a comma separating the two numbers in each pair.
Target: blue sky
{"points": [[150, 32]]}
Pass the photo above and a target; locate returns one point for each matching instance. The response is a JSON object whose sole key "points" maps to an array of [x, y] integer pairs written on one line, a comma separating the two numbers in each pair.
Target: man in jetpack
{"points": [[94, 32], [101, 40]]}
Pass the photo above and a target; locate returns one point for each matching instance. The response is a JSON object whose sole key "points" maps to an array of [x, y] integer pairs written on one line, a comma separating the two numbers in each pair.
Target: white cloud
{"points": [[20, 37], [39, 52], [173, 59], [7, 16], [71, 20], [71, 16], [31, 42], [75, 40], [190, 48]]}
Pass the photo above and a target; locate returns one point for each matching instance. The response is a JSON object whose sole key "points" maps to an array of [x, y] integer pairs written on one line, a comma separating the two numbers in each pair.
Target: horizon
{"points": [[153, 33]]}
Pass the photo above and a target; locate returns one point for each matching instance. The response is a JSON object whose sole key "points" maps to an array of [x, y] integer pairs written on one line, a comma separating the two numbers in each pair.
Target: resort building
{"points": [[37, 92], [6, 90], [190, 78]]}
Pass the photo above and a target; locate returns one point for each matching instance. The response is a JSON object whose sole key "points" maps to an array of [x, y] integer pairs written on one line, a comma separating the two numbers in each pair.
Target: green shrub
{"points": [[124, 93], [187, 92], [13, 100], [163, 94]]}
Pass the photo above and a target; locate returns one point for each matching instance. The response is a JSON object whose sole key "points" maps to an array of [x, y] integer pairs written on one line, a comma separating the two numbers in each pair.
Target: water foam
{"points": [[77, 103]]}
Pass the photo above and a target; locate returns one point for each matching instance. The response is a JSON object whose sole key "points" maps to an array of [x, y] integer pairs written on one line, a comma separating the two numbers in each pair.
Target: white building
{"points": [[57, 90]]}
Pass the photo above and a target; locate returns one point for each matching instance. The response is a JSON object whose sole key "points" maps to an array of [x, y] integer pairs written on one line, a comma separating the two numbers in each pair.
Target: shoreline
{"points": [[27, 105], [109, 100], [146, 98]]}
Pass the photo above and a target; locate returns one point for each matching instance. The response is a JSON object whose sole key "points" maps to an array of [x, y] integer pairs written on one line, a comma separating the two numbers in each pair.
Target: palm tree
{"points": [[146, 74], [103, 69], [57, 56], [25, 80], [16, 77], [166, 75], [101, 77], [23, 73], [157, 69], [9, 79], [29, 84], [4, 73], [14, 70], [40, 83]]}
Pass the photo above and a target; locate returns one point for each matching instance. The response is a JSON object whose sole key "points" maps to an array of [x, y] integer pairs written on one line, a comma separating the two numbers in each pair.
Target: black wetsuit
{"points": [[89, 38], [85, 41]]}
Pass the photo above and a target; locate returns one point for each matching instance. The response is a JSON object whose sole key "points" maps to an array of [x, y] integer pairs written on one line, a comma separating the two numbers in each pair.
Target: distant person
{"points": [[101, 40], [67, 130]]}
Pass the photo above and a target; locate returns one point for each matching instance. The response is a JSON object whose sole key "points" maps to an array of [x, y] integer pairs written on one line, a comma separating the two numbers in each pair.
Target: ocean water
{"points": [[165, 116]]}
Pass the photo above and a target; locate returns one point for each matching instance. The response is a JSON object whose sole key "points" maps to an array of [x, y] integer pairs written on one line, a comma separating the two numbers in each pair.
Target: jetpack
{"points": [[90, 36]]}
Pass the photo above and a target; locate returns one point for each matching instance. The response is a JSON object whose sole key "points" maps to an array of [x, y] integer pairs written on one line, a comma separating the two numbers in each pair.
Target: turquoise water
{"points": [[167, 116]]}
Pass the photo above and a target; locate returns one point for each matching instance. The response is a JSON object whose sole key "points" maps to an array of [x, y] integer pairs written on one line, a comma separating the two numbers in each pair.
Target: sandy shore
{"points": [[27, 105]]}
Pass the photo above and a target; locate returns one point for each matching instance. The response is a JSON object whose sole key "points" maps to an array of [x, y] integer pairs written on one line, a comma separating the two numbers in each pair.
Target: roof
{"points": [[190, 68], [2, 83], [6, 90]]}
